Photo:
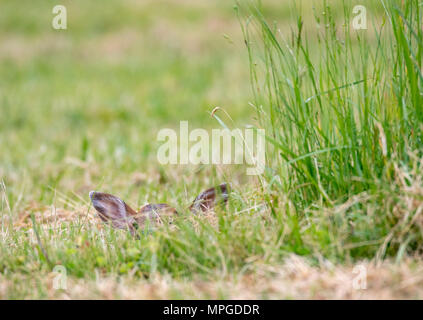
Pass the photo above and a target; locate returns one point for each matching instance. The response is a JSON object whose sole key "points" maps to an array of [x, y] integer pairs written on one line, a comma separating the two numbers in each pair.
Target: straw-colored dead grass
{"points": [[296, 279]]}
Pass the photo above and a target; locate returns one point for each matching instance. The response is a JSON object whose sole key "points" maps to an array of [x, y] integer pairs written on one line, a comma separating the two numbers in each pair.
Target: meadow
{"points": [[342, 192]]}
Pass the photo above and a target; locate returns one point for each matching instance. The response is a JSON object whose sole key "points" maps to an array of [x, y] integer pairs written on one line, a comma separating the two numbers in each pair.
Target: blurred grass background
{"points": [[99, 91]]}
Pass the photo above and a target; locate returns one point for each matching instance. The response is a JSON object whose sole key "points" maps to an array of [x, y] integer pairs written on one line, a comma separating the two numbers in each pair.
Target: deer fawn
{"points": [[115, 211]]}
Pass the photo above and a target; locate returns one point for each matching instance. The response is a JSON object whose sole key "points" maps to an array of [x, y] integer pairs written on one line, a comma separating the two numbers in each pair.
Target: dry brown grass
{"points": [[295, 279]]}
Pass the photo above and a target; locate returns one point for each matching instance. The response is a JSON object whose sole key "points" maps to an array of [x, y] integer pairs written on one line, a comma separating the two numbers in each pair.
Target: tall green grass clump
{"points": [[343, 114]]}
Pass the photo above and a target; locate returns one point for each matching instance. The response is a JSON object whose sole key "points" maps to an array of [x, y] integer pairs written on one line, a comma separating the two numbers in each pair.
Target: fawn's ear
{"points": [[114, 210], [208, 199]]}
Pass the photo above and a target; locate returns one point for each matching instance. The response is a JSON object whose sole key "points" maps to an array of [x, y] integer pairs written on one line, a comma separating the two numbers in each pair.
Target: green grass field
{"points": [[80, 110]]}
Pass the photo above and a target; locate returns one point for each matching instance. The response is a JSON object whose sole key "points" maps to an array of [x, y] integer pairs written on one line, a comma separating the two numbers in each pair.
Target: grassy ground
{"points": [[81, 108]]}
